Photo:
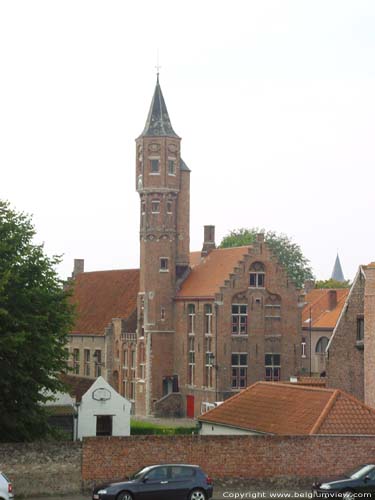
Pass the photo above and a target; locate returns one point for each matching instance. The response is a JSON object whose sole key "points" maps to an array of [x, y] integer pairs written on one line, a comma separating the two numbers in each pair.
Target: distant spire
{"points": [[337, 273], [158, 123]]}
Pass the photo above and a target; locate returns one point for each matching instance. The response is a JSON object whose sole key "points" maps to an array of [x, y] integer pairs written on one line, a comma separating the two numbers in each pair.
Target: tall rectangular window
{"points": [[86, 365], [155, 206], [239, 370], [164, 265], [76, 361], [171, 167], [208, 318], [209, 359], [360, 329], [154, 166], [239, 319], [191, 364], [272, 366], [98, 362], [142, 361], [191, 318]]}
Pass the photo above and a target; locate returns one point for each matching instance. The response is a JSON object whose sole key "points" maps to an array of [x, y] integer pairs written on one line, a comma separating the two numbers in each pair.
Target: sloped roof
{"points": [[76, 386], [158, 123], [286, 409], [103, 295], [319, 301], [209, 273]]}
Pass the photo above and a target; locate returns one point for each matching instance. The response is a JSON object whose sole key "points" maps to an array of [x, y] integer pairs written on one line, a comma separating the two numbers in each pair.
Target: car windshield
{"points": [[139, 473], [360, 471]]}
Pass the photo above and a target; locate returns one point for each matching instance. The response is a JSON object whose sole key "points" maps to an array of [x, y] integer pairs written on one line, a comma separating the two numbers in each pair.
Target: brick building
{"points": [[189, 328], [351, 350]]}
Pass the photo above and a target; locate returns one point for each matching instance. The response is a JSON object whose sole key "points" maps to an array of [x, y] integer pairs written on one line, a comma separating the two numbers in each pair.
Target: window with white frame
{"points": [[142, 361], [257, 275], [191, 318], [164, 264], [154, 166], [303, 347], [239, 319], [321, 345], [239, 370], [208, 318], [191, 364], [126, 362], [209, 361], [171, 167], [272, 367]]}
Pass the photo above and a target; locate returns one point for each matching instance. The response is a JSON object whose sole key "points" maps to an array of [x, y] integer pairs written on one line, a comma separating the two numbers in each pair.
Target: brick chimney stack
{"points": [[209, 240], [332, 299], [79, 267]]}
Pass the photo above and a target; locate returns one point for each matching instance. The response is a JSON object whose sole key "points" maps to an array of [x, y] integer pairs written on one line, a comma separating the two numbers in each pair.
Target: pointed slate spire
{"points": [[158, 123], [337, 273]]}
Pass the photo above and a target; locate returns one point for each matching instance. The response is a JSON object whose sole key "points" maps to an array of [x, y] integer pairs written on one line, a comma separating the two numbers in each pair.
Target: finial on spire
{"points": [[158, 67]]}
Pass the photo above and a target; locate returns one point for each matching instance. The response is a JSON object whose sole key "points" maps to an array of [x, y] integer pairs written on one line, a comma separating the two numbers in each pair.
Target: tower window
{"points": [[163, 264], [143, 207], [154, 166], [169, 207], [162, 313], [155, 207], [171, 167]]}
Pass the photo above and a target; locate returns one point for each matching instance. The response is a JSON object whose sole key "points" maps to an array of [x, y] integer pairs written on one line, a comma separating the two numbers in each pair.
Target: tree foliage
{"points": [[288, 253], [332, 284], [35, 316]]}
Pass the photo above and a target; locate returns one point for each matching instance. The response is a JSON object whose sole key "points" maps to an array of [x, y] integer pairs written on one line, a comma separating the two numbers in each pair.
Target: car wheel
{"points": [[124, 495], [197, 495], [348, 494]]}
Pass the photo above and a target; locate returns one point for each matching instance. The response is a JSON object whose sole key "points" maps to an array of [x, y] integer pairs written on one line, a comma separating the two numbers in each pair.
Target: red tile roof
{"points": [[103, 295], [288, 409], [323, 317], [209, 273]]}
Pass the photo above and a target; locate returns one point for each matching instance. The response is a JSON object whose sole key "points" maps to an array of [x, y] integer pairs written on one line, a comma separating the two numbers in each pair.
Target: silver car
{"points": [[6, 488]]}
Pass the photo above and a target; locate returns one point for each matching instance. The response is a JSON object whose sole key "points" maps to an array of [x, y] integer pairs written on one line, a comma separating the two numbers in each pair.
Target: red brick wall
{"points": [[246, 457]]}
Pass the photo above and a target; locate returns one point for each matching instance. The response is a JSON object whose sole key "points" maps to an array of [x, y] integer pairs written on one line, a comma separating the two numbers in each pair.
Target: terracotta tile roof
{"points": [[323, 317], [76, 386], [209, 273], [287, 409], [103, 295], [311, 381]]}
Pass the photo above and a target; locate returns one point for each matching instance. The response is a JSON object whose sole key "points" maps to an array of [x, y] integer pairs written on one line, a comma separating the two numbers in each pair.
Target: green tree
{"points": [[35, 316], [332, 284], [288, 253]]}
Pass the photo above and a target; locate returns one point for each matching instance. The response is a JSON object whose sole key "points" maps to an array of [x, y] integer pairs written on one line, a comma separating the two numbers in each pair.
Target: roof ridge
{"points": [[301, 386], [325, 412], [108, 271]]}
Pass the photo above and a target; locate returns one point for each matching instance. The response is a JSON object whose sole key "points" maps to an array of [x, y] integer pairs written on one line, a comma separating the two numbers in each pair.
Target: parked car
{"points": [[360, 480], [6, 488], [159, 482]]}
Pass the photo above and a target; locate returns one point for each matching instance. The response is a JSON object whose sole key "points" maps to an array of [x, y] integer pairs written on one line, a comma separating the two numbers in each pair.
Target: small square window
{"points": [[154, 166], [163, 264], [155, 207], [171, 167]]}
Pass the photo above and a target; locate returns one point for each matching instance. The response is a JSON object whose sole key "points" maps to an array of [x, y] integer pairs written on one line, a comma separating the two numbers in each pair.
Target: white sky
{"points": [[274, 101]]}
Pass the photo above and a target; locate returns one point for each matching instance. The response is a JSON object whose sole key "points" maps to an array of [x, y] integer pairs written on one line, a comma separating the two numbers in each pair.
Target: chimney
{"points": [[209, 240], [79, 267], [332, 299], [308, 286]]}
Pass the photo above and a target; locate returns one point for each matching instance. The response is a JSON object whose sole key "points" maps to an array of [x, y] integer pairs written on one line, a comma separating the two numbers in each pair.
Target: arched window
{"points": [[257, 275], [321, 345]]}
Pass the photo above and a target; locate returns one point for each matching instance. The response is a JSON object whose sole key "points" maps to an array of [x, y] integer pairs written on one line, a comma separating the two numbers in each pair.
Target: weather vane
{"points": [[157, 64]]}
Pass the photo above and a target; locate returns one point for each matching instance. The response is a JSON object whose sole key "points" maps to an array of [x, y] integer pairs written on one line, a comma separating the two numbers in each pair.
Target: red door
{"points": [[190, 406]]}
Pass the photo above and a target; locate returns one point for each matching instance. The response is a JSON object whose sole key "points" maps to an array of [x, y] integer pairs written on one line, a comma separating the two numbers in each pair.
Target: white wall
{"points": [[116, 405], [222, 430]]}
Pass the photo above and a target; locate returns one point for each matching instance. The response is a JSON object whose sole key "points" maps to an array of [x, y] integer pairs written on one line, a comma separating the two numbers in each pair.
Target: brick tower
{"points": [[163, 184]]}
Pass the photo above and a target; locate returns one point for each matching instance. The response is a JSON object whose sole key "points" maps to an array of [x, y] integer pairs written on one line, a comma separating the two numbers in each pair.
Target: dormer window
{"points": [[155, 169], [257, 275]]}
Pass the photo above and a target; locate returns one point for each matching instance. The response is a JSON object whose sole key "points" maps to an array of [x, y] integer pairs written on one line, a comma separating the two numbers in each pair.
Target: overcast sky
{"points": [[274, 101]]}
